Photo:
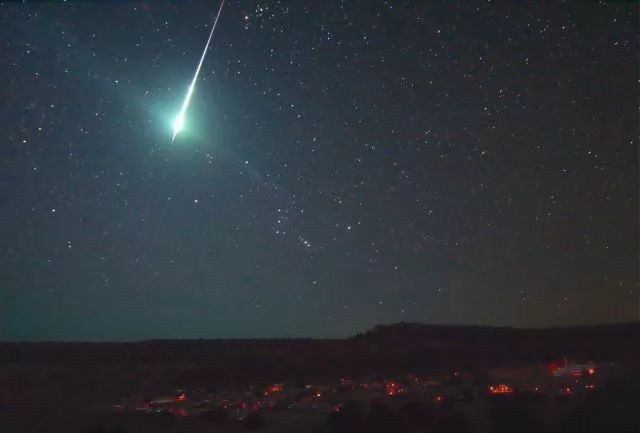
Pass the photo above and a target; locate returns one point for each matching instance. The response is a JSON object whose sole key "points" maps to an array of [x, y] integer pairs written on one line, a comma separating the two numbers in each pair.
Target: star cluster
{"points": [[346, 163]]}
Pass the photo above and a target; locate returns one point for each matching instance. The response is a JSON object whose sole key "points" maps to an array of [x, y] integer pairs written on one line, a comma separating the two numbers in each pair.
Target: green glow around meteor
{"points": [[178, 123]]}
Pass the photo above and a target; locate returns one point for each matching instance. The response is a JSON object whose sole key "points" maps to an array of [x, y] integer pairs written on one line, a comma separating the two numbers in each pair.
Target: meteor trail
{"points": [[178, 124]]}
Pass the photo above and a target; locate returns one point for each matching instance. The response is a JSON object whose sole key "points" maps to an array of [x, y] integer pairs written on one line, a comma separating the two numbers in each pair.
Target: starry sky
{"points": [[344, 164]]}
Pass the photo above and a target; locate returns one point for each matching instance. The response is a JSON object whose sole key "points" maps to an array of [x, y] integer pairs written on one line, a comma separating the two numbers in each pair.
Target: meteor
{"points": [[178, 123]]}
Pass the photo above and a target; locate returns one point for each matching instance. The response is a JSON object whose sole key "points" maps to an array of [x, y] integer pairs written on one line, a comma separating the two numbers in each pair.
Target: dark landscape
{"points": [[77, 386]]}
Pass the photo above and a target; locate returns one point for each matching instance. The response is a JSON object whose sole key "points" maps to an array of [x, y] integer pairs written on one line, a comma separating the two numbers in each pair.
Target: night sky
{"points": [[343, 164]]}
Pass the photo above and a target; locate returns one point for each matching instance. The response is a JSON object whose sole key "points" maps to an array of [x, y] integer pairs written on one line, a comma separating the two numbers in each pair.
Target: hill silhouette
{"points": [[38, 373]]}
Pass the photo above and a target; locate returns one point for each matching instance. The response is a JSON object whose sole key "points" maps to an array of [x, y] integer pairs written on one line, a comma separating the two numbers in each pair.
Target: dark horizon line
{"points": [[578, 327]]}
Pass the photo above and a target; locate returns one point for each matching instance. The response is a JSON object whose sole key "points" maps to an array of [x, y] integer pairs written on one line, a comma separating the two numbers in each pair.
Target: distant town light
{"points": [[500, 389]]}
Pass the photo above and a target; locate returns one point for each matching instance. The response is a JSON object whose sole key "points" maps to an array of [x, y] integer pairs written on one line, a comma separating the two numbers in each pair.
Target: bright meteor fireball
{"points": [[178, 123]]}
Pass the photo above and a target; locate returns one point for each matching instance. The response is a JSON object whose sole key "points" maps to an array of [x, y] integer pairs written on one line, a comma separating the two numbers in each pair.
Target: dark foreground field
{"points": [[55, 387]]}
